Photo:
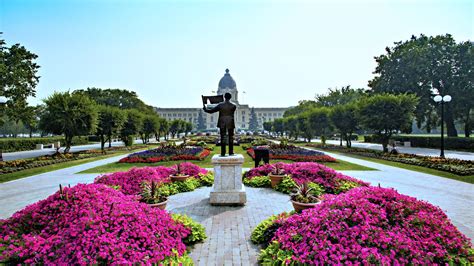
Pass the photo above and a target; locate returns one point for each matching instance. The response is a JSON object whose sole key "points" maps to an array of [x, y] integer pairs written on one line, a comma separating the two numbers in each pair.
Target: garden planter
{"points": [[160, 205], [175, 178], [275, 179], [298, 206]]}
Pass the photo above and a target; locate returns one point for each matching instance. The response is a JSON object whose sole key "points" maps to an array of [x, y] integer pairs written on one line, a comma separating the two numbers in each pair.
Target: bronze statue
{"points": [[226, 122]]}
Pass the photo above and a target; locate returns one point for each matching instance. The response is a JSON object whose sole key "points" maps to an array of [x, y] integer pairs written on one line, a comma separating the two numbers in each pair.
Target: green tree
{"points": [[267, 126], [344, 119], [386, 114], [120, 98], [18, 78], [302, 107], [111, 120], [423, 63], [188, 127], [319, 122], [163, 128], [291, 126], [278, 126], [339, 96], [69, 114], [151, 124], [131, 127], [201, 124], [175, 127], [253, 122], [304, 126]]}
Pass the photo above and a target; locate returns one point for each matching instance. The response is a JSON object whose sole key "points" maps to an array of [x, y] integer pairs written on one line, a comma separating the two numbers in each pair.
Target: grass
{"points": [[206, 163], [58, 166], [416, 168]]}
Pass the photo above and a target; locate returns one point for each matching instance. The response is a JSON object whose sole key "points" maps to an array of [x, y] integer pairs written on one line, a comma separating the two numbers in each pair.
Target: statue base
{"points": [[228, 188]]}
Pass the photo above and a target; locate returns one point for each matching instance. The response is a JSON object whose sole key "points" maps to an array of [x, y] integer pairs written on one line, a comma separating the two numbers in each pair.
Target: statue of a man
{"points": [[226, 122]]}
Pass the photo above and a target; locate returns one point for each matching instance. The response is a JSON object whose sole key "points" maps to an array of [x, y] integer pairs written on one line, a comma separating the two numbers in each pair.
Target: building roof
{"points": [[227, 81]]}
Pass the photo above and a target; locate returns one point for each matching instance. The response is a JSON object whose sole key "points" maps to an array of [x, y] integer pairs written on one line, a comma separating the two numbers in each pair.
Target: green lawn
{"points": [[248, 163], [53, 167]]}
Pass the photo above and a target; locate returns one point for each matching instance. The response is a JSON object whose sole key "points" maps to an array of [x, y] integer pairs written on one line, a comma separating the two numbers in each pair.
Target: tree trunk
{"points": [[102, 142], [385, 143], [68, 143], [467, 124], [450, 127], [467, 130], [110, 141]]}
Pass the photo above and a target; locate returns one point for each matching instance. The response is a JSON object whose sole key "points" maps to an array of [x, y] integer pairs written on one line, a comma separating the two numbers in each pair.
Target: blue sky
{"points": [[171, 52]]}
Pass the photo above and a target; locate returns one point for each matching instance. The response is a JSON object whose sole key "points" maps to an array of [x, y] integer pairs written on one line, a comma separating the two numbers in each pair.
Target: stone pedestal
{"points": [[228, 188]]}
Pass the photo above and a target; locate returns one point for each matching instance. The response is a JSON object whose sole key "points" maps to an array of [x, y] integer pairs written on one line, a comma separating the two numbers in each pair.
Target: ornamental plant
{"points": [[152, 193], [369, 225], [306, 193], [91, 224], [331, 181], [130, 182], [198, 232]]}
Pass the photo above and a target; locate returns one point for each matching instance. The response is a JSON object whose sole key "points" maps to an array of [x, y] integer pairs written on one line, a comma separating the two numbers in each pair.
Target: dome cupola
{"points": [[227, 81]]}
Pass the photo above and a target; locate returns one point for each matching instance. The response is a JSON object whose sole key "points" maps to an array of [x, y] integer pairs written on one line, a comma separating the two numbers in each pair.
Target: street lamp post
{"points": [[442, 99], [3, 100]]}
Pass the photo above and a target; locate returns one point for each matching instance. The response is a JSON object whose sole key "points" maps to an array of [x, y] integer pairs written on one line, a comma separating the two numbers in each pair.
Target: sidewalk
{"points": [[410, 150]]}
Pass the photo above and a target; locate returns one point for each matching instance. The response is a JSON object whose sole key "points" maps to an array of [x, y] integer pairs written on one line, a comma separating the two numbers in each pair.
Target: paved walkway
{"points": [[229, 228], [410, 150], [17, 194]]}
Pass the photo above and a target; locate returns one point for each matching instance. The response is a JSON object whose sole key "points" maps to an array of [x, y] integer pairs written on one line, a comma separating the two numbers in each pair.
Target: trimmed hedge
{"points": [[454, 143], [25, 144]]}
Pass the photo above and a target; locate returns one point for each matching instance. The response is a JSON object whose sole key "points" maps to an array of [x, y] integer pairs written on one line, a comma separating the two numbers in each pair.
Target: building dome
{"points": [[227, 81]]}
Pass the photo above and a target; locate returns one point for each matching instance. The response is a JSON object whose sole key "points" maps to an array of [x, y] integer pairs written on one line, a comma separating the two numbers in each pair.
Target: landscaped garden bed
{"points": [[130, 182], [291, 153], [96, 224], [169, 152], [455, 166], [317, 175], [364, 226]]}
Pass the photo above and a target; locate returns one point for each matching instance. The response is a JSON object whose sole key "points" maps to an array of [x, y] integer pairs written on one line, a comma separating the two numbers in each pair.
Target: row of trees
{"points": [[352, 110], [83, 113]]}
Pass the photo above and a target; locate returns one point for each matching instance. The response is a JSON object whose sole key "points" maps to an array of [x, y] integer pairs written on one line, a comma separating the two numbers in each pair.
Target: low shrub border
{"points": [[367, 225], [453, 143], [25, 144], [455, 166]]}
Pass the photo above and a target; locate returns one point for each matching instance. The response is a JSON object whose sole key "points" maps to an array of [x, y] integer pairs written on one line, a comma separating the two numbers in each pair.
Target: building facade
{"points": [[242, 114]]}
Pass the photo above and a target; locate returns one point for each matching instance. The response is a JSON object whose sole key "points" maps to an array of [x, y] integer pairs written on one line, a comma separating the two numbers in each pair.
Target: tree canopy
{"points": [[69, 114], [423, 64]]}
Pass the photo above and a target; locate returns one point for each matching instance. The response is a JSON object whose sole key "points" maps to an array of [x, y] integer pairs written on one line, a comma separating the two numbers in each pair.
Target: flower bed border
{"points": [[423, 161]]}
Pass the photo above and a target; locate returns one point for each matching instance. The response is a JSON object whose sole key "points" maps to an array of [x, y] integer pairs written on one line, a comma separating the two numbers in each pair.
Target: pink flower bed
{"points": [[308, 172], [372, 225], [131, 180], [90, 224]]}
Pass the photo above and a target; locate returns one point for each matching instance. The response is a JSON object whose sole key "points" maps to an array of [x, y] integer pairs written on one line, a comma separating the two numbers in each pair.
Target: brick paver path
{"points": [[228, 229]]}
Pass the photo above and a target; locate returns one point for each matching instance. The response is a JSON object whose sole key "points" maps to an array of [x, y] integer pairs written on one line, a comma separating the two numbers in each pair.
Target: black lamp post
{"points": [[442, 99], [3, 100]]}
